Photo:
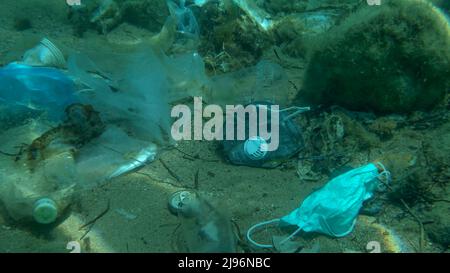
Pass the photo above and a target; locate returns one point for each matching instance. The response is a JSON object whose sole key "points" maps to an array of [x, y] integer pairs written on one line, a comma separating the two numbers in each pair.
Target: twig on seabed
{"points": [[293, 85], [196, 179], [175, 238], [422, 231], [172, 173], [162, 181], [409, 210], [92, 222], [276, 54], [7, 154], [439, 200], [242, 242]]}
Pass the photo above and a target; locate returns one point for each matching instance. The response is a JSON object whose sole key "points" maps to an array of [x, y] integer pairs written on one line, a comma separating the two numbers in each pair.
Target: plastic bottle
{"points": [[45, 211], [40, 195]]}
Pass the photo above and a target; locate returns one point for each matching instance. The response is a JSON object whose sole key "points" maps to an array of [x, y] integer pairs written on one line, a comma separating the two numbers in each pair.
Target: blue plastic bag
{"points": [[38, 88]]}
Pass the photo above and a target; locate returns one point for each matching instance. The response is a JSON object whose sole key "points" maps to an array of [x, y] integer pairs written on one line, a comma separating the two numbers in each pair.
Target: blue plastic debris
{"points": [[333, 209], [39, 88]]}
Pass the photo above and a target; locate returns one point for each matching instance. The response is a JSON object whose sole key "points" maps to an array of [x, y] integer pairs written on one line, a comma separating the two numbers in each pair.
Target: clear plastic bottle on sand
{"points": [[40, 195]]}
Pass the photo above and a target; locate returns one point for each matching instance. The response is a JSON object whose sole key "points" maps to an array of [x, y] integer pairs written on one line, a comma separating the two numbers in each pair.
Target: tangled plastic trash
{"points": [[332, 210], [35, 199]]}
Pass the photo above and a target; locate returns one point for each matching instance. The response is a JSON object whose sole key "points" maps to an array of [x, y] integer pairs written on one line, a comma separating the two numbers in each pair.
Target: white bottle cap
{"points": [[45, 211], [255, 148]]}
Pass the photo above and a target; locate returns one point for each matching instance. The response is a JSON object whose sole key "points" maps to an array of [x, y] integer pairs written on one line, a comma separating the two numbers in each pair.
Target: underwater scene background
{"points": [[87, 158]]}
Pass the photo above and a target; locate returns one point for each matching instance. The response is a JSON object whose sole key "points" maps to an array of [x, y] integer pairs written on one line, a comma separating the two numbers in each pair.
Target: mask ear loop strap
{"points": [[298, 110], [384, 173], [292, 235], [251, 230]]}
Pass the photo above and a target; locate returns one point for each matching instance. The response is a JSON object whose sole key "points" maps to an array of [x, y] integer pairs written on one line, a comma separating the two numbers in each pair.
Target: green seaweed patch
{"points": [[391, 58], [229, 38], [107, 15], [21, 24]]}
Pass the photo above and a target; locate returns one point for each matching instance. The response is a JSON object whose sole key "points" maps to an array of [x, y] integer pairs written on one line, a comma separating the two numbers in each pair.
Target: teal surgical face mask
{"points": [[332, 210]]}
